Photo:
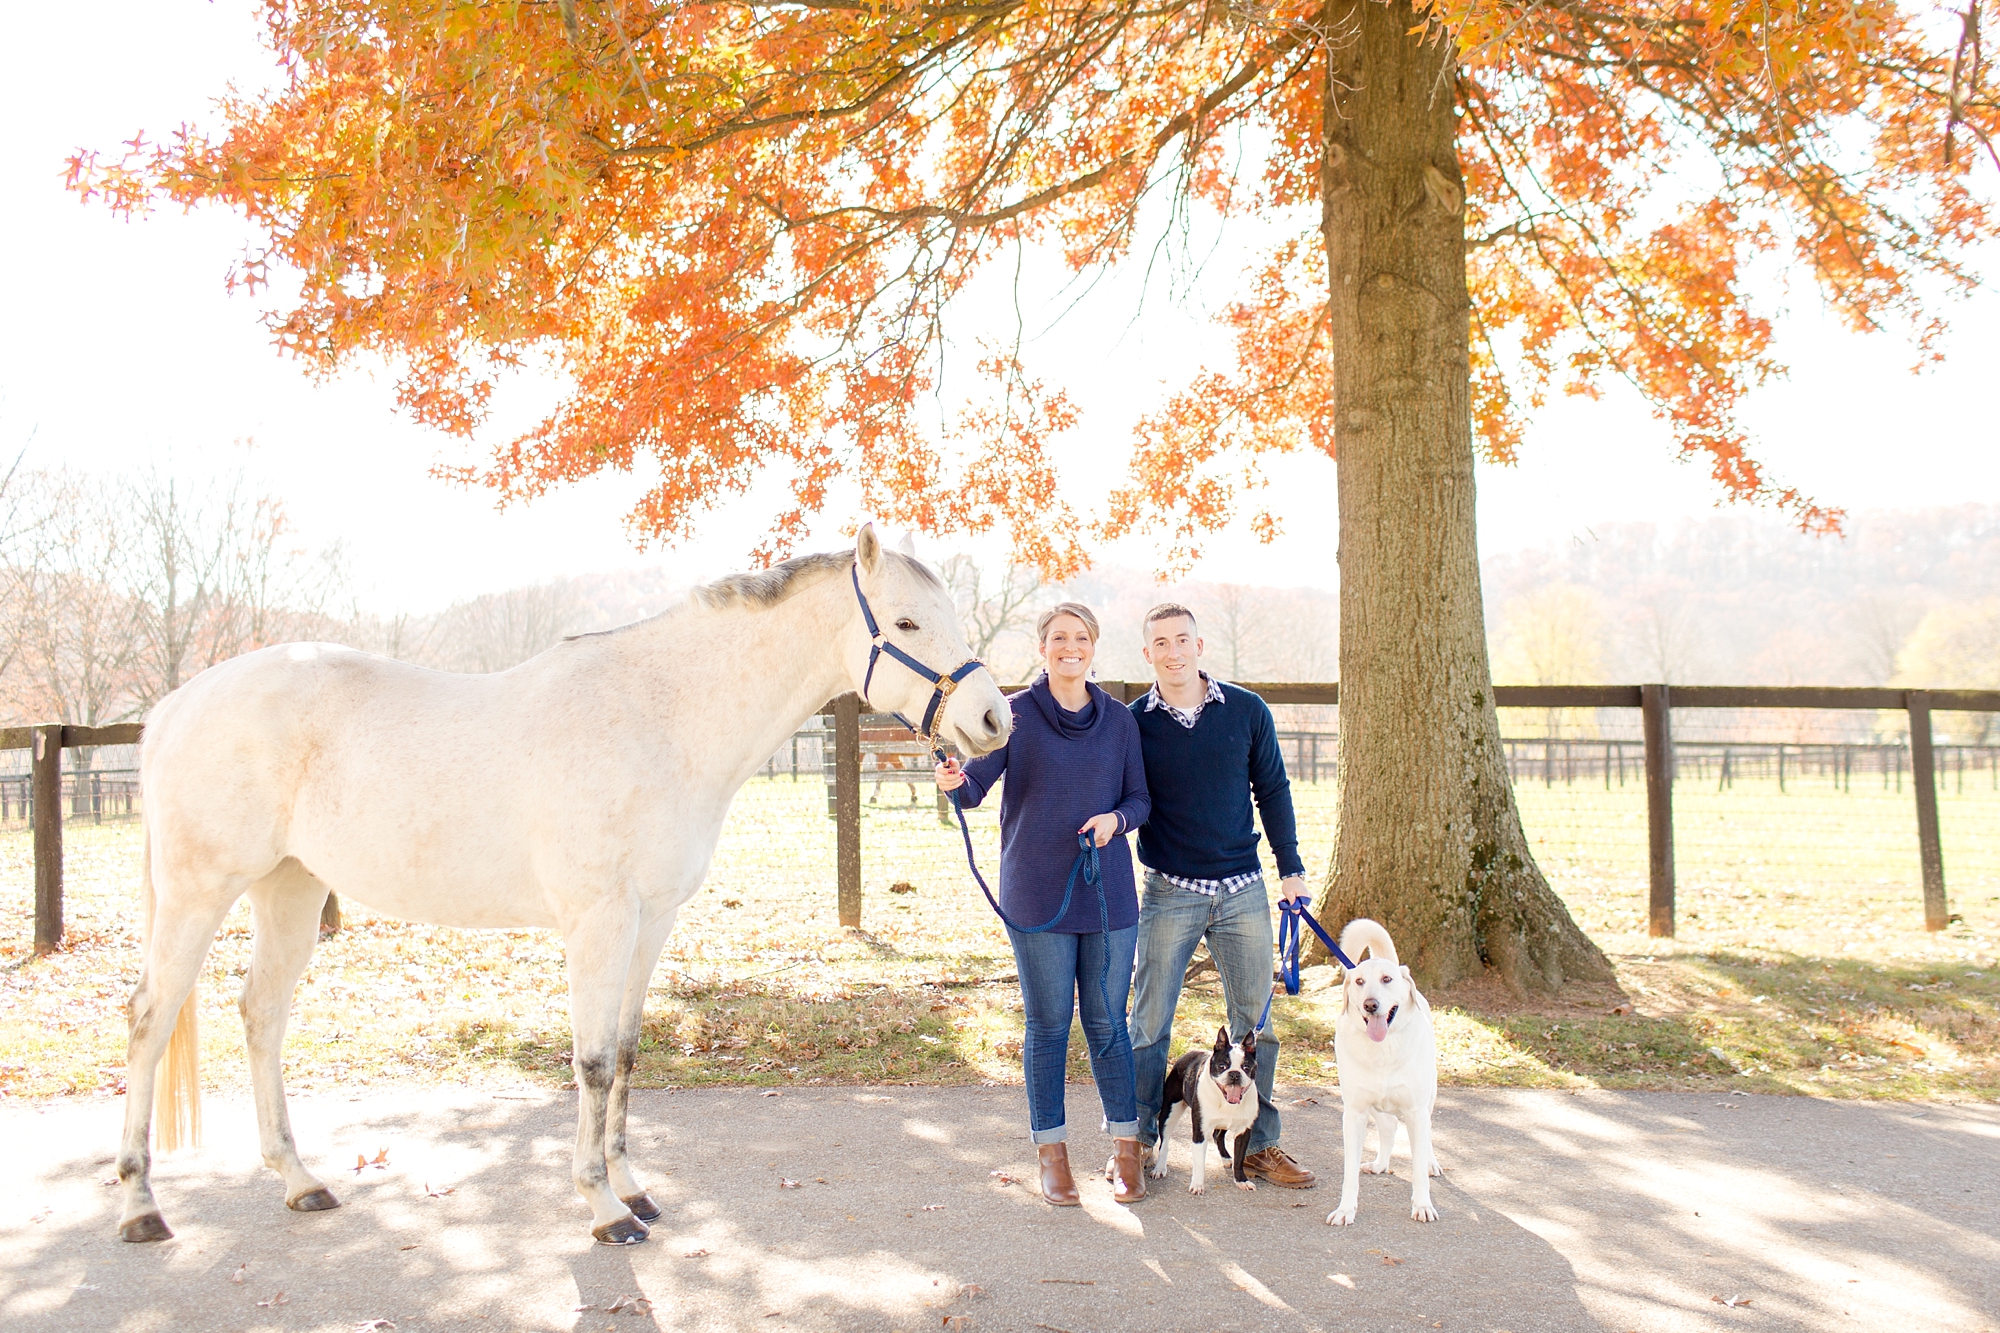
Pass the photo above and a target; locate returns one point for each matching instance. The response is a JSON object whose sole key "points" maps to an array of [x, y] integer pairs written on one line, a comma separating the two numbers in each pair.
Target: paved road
{"points": [[1598, 1211]]}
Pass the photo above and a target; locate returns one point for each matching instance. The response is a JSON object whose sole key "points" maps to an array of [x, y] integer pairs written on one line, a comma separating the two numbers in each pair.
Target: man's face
{"points": [[1172, 650]]}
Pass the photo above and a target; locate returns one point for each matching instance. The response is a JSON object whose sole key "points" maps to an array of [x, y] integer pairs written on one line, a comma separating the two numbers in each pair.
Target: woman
{"points": [[1073, 767]]}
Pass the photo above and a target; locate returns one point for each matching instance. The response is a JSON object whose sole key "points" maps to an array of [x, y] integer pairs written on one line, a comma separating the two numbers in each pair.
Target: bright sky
{"points": [[120, 349]]}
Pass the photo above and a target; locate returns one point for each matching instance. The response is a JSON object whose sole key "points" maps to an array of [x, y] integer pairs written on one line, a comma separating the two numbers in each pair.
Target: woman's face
{"points": [[1067, 650]]}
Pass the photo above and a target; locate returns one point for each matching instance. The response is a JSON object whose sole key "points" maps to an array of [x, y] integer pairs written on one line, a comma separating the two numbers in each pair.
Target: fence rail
{"points": [[1655, 757]]}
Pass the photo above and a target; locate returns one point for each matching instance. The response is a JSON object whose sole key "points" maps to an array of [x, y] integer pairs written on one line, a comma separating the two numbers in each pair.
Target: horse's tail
{"points": [[1362, 933], [177, 1091]]}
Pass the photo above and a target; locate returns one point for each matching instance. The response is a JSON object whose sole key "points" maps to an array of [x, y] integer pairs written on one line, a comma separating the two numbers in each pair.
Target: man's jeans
{"points": [[1238, 926]]}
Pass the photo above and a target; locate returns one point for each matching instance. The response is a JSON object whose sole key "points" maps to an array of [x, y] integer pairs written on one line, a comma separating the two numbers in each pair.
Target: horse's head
{"points": [[914, 612]]}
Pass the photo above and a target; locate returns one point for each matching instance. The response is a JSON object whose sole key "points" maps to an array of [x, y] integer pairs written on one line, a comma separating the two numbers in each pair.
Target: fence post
{"points": [[847, 804], [1658, 731], [1923, 777], [48, 814]]}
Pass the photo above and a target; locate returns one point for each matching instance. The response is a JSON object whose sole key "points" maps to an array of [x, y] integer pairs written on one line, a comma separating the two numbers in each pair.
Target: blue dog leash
{"points": [[1292, 911]]}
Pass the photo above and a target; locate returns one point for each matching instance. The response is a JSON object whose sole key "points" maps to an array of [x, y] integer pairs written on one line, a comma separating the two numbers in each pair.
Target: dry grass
{"points": [[1801, 964]]}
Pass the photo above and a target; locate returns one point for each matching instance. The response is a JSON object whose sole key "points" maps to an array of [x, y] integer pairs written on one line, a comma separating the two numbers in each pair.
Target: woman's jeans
{"points": [[1060, 978]]}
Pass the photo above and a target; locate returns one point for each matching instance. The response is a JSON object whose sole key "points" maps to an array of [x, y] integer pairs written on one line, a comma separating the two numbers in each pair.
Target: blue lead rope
{"points": [[1086, 865], [1290, 913]]}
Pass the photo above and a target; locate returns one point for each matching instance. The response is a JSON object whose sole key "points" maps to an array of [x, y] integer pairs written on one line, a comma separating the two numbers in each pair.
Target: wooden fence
{"points": [[1655, 703]]}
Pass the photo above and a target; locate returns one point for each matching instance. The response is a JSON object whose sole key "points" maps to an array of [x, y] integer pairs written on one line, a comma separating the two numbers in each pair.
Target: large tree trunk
{"points": [[1429, 841]]}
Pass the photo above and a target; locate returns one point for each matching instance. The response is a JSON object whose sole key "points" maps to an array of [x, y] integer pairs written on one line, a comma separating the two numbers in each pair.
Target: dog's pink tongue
{"points": [[1378, 1026], [1233, 1092]]}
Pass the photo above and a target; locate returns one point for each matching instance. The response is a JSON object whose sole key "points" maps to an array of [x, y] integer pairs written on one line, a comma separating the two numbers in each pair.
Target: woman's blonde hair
{"points": [[1077, 609]]}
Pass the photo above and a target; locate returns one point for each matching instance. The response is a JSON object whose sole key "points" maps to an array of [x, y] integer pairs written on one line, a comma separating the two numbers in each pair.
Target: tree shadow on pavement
{"points": [[897, 1208]]}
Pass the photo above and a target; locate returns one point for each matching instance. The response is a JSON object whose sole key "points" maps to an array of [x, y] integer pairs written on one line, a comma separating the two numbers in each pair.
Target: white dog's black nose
{"points": [[1370, 1006]]}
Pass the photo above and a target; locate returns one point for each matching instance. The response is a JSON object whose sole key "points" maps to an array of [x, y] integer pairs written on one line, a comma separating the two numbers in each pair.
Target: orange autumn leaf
{"points": [[736, 233]]}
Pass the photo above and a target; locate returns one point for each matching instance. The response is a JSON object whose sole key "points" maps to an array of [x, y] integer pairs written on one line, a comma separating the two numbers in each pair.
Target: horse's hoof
{"points": [[624, 1231], [642, 1206], [143, 1228], [314, 1201]]}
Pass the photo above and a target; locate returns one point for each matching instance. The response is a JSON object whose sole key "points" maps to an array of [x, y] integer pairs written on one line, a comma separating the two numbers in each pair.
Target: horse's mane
{"points": [[767, 587]]}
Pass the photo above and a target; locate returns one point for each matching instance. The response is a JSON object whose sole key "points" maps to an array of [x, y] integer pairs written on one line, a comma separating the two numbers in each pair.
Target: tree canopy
{"points": [[736, 228]]}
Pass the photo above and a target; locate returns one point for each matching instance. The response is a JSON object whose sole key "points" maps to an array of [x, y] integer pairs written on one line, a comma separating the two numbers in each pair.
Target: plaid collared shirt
{"points": [[1187, 717], [1214, 888]]}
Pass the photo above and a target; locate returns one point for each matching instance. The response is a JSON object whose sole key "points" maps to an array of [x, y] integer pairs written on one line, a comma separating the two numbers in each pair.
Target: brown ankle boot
{"points": [[1130, 1165], [1058, 1186]]}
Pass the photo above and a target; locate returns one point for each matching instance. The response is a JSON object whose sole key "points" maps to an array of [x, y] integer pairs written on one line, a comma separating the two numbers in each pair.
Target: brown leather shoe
{"points": [[1058, 1186], [1130, 1165], [1276, 1165]]}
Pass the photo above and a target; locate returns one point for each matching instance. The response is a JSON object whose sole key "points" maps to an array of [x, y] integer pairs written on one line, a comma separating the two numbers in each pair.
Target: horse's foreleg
{"points": [[599, 952], [285, 906], [175, 948], [631, 1016]]}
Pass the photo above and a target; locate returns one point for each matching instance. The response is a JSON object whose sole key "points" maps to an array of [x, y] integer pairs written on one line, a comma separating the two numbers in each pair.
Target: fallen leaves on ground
{"points": [[374, 1325], [696, 1254], [380, 1163], [1731, 1301], [630, 1305], [787, 1183], [1005, 1177], [237, 1276], [933, 1207], [281, 1299], [1391, 1260], [430, 1193]]}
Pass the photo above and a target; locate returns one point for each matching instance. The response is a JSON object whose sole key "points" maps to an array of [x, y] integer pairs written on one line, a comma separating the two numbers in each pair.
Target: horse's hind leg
{"points": [[599, 951], [631, 1015], [177, 942], [285, 907]]}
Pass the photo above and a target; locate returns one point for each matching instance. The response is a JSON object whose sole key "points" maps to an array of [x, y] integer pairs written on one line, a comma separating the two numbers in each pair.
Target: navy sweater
{"points": [[1063, 769], [1201, 779]]}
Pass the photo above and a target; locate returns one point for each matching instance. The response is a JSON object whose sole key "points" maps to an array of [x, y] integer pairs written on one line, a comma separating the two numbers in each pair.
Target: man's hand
{"points": [[1292, 886], [1101, 829]]}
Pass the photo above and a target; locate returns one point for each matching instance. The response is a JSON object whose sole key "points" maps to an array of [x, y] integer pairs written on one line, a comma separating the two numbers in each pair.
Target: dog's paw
{"points": [[1437, 1167], [1376, 1169], [1423, 1212], [1196, 1187], [1157, 1170], [1340, 1217], [1246, 1184]]}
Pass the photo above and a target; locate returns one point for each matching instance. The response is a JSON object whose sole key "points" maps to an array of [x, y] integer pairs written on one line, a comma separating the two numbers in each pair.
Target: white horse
{"points": [[582, 791]]}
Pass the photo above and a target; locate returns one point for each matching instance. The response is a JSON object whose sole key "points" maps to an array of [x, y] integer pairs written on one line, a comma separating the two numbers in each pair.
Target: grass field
{"points": [[1801, 964]]}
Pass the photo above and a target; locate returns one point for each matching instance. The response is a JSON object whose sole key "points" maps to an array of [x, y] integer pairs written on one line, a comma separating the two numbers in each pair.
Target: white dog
{"points": [[1387, 1051]]}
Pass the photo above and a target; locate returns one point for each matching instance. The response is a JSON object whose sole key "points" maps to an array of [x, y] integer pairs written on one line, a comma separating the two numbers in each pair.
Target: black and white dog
{"points": [[1219, 1089]]}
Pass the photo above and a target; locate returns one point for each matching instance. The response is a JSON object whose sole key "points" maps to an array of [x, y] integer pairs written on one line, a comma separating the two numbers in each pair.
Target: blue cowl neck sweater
{"points": [[1063, 769]]}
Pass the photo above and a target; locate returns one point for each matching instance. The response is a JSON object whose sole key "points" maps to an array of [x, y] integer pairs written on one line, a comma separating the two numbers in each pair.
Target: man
{"points": [[1209, 749]]}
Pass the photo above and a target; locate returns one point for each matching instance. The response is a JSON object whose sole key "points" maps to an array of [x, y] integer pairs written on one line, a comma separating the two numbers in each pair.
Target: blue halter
{"points": [[943, 683]]}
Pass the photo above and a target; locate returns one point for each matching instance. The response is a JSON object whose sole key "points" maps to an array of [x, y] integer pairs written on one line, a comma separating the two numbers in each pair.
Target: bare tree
{"points": [[1235, 622], [989, 615], [498, 630], [78, 628]]}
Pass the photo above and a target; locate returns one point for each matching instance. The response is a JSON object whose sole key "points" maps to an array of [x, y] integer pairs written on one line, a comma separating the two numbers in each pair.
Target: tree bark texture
{"points": [[1429, 839]]}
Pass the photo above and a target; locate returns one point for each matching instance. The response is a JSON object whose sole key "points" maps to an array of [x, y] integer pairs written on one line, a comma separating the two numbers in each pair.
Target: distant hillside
{"points": [[1737, 599]]}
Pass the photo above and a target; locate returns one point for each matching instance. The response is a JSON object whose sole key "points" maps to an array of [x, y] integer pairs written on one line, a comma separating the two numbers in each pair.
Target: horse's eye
{"points": [[906, 624]]}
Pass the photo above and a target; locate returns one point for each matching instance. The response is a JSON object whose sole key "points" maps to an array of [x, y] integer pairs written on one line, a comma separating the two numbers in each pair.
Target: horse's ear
{"points": [[908, 546], [868, 549]]}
